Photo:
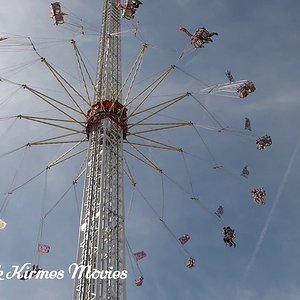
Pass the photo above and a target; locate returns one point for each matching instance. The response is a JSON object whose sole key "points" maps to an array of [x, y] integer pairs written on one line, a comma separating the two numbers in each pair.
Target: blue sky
{"points": [[259, 41]]}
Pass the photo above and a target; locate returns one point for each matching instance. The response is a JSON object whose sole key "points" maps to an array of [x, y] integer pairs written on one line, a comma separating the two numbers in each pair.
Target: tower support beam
{"points": [[101, 246]]}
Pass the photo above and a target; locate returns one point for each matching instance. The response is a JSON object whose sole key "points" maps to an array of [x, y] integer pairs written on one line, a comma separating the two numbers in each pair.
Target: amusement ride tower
{"points": [[101, 243]]}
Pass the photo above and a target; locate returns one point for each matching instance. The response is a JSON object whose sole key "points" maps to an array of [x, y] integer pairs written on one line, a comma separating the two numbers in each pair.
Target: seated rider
{"points": [[245, 89], [225, 237], [202, 36], [31, 273], [245, 172], [250, 87], [136, 3], [35, 269], [263, 142], [259, 195], [139, 281], [267, 140], [190, 263], [228, 236]]}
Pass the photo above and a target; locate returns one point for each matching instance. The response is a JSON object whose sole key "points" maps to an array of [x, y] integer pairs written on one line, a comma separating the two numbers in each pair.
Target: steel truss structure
{"points": [[101, 234]]}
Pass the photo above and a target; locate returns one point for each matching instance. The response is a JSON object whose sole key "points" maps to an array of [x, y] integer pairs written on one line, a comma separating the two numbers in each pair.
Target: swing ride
{"points": [[56, 14], [108, 124], [201, 37]]}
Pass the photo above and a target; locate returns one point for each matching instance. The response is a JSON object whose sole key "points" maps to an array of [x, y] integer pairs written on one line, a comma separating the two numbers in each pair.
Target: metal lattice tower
{"points": [[101, 234]]}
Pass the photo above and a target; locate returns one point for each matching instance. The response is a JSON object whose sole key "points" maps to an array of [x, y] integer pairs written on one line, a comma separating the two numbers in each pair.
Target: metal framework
{"points": [[101, 249]]}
